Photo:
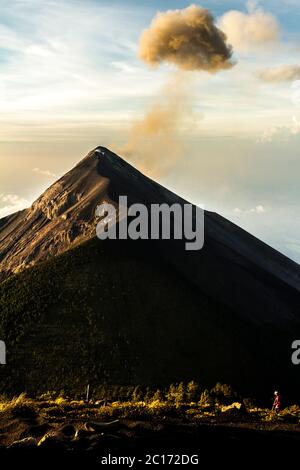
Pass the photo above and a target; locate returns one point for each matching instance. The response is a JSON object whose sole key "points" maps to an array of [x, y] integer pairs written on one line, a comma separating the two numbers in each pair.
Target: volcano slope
{"points": [[139, 312]]}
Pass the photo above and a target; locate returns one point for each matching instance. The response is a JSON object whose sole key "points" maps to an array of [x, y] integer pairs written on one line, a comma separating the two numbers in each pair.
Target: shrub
{"points": [[223, 393], [192, 391], [158, 397], [206, 402], [137, 394], [176, 393]]}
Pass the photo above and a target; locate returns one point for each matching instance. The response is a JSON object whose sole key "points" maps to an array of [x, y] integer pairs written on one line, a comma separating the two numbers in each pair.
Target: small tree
{"points": [[180, 396], [223, 393], [206, 401], [137, 394], [148, 395], [158, 396], [192, 391], [171, 393]]}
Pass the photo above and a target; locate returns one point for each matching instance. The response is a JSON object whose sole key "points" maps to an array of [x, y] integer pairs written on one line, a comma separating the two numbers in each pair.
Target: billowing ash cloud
{"points": [[187, 38], [284, 73]]}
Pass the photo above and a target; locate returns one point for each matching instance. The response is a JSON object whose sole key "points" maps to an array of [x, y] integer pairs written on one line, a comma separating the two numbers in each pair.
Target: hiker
{"points": [[277, 402]]}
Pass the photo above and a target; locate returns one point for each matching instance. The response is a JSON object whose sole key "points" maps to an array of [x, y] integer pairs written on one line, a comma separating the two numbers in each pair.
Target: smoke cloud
{"points": [[155, 141], [188, 39], [285, 73]]}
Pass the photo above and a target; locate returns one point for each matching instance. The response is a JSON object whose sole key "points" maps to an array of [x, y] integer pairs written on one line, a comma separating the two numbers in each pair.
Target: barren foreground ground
{"points": [[102, 432]]}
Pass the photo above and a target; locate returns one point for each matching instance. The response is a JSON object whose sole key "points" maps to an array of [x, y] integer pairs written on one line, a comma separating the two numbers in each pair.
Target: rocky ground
{"points": [[73, 430]]}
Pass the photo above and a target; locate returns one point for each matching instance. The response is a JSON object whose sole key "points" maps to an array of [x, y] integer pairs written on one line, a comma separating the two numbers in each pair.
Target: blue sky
{"points": [[70, 79]]}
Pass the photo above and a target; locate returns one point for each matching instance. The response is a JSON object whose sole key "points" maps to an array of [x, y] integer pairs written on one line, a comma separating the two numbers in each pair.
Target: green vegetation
{"points": [[175, 401], [114, 312], [103, 312]]}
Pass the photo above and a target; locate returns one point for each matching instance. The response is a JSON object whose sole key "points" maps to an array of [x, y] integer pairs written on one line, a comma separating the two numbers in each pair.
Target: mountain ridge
{"points": [[232, 266]]}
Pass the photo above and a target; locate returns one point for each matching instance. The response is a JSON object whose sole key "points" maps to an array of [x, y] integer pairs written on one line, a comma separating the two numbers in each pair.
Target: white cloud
{"points": [[65, 57], [284, 73], [284, 132], [70, 73], [260, 209], [124, 67], [251, 30], [10, 203], [43, 172]]}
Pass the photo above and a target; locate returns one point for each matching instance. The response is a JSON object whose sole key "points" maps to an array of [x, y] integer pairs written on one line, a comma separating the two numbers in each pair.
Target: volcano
{"points": [[76, 310]]}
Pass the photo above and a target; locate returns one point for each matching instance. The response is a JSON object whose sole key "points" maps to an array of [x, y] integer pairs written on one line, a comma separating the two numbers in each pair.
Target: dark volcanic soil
{"points": [[56, 434]]}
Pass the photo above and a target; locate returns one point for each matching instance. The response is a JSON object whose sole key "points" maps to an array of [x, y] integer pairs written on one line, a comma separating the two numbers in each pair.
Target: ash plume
{"points": [[187, 38], [190, 40], [155, 140]]}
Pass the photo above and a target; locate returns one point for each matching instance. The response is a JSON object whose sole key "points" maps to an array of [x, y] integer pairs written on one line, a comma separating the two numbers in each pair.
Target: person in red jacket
{"points": [[277, 402]]}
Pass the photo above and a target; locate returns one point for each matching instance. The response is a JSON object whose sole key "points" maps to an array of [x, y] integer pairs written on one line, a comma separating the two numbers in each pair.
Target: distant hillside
{"points": [[114, 312]]}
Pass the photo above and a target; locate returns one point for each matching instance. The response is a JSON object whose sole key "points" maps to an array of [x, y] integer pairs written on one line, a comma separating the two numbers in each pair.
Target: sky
{"points": [[71, 79]]}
